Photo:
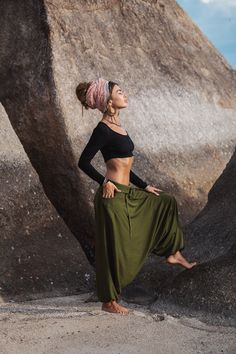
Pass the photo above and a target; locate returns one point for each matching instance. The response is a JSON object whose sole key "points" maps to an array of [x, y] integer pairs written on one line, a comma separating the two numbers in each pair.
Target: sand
{"points": [[69, 325]]}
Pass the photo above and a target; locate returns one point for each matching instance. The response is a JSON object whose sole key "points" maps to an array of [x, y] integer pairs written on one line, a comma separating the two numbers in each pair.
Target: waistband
{"points": [[121, 186], [127, 190]]}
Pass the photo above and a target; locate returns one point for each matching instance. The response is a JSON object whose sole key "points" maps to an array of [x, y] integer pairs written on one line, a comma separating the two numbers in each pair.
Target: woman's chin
{"points": [[124, 106]]}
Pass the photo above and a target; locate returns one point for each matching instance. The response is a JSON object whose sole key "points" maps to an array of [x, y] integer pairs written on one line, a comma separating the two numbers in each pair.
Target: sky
{"points": [[217, 20]]}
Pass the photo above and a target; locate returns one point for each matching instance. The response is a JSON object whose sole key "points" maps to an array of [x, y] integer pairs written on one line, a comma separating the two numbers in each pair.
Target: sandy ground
{"points": [[69, 325]]}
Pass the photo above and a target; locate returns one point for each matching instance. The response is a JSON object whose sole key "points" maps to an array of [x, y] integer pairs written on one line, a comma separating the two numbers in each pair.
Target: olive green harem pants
{"points": [[129, 227]]}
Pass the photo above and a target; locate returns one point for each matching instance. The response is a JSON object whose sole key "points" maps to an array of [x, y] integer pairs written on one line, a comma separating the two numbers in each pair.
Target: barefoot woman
{"points": [[131, 222]]}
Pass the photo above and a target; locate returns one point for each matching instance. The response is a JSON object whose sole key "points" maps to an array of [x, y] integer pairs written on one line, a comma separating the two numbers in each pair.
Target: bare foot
{"points": [[113, 306], [177, 258]]}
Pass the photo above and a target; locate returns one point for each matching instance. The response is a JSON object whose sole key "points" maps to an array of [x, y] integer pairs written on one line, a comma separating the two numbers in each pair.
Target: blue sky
{"points": [[217, 20]]}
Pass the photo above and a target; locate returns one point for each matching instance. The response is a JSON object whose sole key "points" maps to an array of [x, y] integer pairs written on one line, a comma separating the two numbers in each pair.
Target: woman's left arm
{"points": [[137, 181]]}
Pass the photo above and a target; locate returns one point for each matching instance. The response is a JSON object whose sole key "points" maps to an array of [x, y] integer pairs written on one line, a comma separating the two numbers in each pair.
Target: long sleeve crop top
{"points": [[111, 144]]}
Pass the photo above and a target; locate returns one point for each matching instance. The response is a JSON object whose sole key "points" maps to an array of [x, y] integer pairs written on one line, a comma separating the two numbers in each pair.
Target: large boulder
{"points": [[182, 105], [209, 289], [181, 112], [38, 254]]}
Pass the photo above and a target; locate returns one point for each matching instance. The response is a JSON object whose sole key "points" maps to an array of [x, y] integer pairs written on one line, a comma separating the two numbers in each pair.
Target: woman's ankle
{"points": [[109, 302]]}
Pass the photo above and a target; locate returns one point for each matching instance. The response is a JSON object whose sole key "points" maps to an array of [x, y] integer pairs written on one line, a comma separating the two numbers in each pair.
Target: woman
{"points": [[131, 222]]}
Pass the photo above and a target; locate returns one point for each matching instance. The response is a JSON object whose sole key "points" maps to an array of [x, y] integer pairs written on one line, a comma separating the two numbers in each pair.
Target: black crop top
{"points": [[112, 144]]}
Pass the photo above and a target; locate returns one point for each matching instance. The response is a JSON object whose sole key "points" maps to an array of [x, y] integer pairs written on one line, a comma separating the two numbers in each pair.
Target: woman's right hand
{"points": [[109, 190]]}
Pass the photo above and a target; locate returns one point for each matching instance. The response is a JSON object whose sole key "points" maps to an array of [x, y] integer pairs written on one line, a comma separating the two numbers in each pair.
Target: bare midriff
{"points": [[118, 169]]}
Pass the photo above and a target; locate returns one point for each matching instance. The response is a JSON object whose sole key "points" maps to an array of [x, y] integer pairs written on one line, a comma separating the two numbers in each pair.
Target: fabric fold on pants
{"points": [[128, 228]]}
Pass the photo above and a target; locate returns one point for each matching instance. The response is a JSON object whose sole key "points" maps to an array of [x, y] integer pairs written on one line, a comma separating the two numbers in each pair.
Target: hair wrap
{"points": [[97, 94]]}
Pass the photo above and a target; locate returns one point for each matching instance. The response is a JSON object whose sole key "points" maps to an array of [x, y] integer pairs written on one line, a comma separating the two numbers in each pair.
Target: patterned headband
{"points": [[98, 94]]}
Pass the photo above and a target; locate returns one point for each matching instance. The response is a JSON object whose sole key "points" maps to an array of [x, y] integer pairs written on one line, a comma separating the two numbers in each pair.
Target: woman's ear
{"points": [[109, 102]]}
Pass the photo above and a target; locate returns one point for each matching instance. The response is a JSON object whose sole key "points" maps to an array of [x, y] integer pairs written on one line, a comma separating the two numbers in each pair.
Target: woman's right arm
{"points": [[98, 139]]}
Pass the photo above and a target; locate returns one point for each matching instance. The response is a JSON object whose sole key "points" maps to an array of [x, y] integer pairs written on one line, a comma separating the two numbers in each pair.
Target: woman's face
{"points": [[119, 98]]}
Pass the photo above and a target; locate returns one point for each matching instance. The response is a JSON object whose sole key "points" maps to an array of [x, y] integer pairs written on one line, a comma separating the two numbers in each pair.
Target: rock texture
{"points": [[29, 97], [64, 324], [38, 253], [181, 113], [213, 231], [210, 287]]}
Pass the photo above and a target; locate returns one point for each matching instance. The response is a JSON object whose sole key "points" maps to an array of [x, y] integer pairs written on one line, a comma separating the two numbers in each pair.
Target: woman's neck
{"points": [[112, 119]]}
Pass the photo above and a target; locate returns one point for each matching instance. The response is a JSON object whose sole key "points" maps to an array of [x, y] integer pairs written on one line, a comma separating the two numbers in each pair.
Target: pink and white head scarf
{"points": [[97, 94]]}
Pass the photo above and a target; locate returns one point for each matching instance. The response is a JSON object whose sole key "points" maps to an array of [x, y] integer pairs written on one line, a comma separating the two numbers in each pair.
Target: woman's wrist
{"points": [[105, 181]]}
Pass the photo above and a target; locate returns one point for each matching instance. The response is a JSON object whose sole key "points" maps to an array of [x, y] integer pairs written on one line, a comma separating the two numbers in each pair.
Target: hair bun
{"points": [[81, 91]]}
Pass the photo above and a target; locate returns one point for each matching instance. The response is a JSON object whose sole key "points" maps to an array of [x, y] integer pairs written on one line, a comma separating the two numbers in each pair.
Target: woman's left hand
{"points": [[153, 189]]}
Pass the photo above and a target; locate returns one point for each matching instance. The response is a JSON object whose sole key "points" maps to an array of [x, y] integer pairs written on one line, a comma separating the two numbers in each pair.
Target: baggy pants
{"points": [[129, 227]]}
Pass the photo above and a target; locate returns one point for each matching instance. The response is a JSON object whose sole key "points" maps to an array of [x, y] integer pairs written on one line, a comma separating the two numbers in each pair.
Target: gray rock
{"points": [[39, 256], [183, 88], [207, 291], [209, 288], [181, 112], [213, 231]]}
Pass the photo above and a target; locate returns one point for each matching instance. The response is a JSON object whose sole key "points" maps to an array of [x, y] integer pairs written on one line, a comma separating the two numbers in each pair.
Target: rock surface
{"points": [[181, 96], [64, 324], [38, 254], [181, 112], [209, 287], [182, 102]]}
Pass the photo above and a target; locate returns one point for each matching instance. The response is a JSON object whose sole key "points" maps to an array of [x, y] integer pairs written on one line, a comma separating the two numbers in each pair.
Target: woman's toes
{"points": [[115, 307]]}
